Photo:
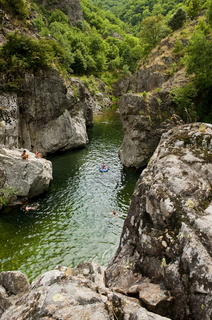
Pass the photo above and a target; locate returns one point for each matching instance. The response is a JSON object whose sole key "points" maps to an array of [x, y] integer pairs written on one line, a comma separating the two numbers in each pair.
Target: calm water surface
{"points": [[73, 222]]}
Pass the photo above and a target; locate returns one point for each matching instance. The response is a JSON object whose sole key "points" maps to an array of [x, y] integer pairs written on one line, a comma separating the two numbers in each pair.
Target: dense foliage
{"points": [[133, 12], [98, 45], [22, 53], [194, 100], [17, 7], [110, 44]]}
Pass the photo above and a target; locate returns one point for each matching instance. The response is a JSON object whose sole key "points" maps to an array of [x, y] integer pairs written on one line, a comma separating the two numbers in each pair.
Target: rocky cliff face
{"points": [[146, 106], [47, 114], [144, 120], [166, 239]]}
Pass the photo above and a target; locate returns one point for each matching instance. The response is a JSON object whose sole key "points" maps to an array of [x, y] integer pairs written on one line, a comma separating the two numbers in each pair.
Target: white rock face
{"points": [[30, 177]]}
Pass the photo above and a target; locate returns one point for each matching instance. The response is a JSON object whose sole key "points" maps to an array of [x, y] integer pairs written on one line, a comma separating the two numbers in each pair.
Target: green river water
{"points": [[73, 222]]}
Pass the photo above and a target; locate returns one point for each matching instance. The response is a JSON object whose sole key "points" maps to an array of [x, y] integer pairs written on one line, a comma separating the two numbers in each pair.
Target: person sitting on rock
{"points": [[38, 154], [24, 155]]}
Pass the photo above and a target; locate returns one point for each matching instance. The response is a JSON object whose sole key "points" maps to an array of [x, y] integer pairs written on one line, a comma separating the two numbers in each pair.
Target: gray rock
{"points": [[146, 105], [29, 177], [144, 120], [48, 113], [167, 234], [9, 121], [13, 285], [66, 293]]}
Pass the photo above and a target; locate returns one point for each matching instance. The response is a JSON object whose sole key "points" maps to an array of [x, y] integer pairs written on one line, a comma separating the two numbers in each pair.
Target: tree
{"points": [[177, 20], [198, 59], [209, 12], [195, 98], [193, 8], [153, 30]]}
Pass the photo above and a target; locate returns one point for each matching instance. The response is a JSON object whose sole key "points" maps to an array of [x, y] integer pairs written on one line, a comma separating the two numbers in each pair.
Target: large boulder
{"points": [[167, 238], [13, 285], [52, 113], [29, 178], [75, 294]]}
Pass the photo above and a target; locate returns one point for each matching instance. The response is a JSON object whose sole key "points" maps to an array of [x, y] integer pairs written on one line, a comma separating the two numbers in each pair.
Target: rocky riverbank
{"points": [[66, 293]]}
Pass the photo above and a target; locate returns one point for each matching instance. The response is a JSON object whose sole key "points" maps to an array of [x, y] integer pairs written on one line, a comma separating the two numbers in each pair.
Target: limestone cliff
{"points": [[166, 238], [47, 112]]}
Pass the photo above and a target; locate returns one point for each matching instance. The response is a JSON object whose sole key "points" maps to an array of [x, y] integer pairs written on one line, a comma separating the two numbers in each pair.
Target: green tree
{"points": [[193, 8], [153, 30], [177, 20], [199, 60], [58, 16], [184, 98], [195, 98]]}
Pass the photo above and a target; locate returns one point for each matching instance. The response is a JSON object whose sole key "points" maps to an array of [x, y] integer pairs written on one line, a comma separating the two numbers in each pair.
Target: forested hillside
{"points": [[110, 45], [133, 12], [99, 44], [189, 24]]}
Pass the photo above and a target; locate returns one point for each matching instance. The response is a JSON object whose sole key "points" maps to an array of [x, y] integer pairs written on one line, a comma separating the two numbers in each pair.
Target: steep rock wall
{"points": [[47, 114], [144, 120], [166, 238]]}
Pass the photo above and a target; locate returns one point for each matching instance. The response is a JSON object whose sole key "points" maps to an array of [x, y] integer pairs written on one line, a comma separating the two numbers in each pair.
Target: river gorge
{"points": [[73, 222]]}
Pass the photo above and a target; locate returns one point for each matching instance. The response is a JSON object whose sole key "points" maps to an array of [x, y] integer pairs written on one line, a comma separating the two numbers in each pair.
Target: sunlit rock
{"points": [[29, 177], [74, 294]]}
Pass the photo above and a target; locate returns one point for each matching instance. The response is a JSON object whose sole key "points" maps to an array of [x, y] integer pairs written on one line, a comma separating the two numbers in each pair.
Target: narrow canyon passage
{"points": [[73, 222]]}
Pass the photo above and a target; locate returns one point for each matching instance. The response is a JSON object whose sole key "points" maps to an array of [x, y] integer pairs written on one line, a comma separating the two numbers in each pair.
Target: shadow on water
{"points": [[73, 222]]}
